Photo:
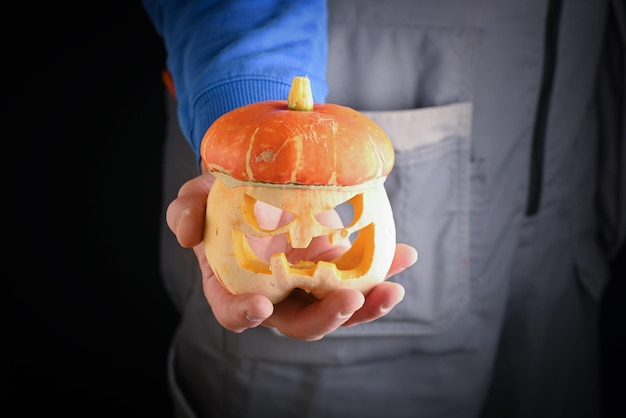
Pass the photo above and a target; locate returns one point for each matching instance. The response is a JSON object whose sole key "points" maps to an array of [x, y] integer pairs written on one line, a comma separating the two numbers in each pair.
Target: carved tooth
{"points": [[279, 264], [325, 269]]}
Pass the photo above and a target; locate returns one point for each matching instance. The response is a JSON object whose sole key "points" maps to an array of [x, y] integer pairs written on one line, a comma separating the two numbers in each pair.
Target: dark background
{"points": [[89, 320]]}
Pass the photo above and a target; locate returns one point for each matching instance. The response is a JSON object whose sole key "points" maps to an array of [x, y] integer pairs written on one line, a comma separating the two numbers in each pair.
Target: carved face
{"points": [[257, 236], [303, 160]]}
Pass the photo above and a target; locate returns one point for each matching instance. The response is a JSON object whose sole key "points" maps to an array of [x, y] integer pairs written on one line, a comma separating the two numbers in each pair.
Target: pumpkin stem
{"points": [[300, 95]]}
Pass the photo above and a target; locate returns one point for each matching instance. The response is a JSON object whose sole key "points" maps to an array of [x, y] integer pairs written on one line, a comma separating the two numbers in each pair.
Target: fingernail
{"points": [[180, 218], [346, 314], [253, 318]]}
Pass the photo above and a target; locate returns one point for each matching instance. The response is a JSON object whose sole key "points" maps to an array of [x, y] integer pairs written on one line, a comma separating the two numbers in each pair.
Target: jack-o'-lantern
{"points": [[300, 160]]}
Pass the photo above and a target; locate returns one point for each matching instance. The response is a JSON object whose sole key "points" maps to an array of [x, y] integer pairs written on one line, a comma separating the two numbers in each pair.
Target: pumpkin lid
{"points": [[298, 142]]}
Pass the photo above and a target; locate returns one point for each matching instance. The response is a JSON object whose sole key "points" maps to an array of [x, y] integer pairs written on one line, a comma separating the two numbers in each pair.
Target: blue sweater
{"points": [[225, 54]]}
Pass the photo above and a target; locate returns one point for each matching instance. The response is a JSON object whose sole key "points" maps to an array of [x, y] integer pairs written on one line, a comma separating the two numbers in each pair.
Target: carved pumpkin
{"points": [[304, 159]]}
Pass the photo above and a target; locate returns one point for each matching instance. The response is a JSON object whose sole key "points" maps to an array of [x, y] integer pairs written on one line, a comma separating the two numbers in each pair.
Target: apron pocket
{"points": [[429, 192]]}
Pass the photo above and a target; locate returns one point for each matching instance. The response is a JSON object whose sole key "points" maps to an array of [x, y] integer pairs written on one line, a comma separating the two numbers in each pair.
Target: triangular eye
{"points": [[349, 212], [264, 216]]}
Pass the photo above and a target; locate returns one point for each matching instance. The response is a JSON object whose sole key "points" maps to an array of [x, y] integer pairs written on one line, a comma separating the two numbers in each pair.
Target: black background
{"points": [[89, 320]]}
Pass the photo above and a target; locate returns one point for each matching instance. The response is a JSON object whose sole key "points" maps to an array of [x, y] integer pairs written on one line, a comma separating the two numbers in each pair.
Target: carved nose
{"points": [[299, 235], [302, 231]]}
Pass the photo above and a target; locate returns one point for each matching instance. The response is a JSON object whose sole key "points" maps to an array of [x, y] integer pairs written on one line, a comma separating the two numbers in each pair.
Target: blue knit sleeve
{"points": [[225, 54]]}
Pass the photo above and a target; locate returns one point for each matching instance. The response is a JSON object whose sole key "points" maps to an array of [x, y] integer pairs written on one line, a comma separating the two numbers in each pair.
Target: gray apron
{"points": [[500, 304]]}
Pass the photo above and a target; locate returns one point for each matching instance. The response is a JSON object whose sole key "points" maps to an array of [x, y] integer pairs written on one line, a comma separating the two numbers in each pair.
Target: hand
{"points": [[300, 316]]}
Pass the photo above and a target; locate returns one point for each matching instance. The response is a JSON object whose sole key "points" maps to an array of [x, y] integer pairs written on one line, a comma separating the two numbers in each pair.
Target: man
{"points": [[499, 131]]}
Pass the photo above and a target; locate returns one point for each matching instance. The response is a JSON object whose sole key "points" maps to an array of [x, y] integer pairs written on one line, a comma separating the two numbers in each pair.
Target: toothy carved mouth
{"points": [[352, 263]]}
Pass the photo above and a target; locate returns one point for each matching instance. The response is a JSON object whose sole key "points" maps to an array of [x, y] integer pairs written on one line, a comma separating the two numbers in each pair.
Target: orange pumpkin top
{"points": [[268, 142]]}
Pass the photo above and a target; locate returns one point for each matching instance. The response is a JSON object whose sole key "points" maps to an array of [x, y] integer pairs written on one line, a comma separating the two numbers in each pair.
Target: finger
{"points": [[298, 318], [185, 215], [384, 296], [404, 257], [200, 185], [236, 312], [379, 301]]}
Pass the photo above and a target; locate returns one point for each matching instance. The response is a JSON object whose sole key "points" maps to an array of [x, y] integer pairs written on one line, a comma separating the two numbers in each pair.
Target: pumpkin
{"points": [[303, 159]]}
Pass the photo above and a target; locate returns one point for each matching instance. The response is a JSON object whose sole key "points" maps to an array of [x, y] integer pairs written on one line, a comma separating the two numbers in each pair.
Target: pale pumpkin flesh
{"points": [[231, 222]]}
